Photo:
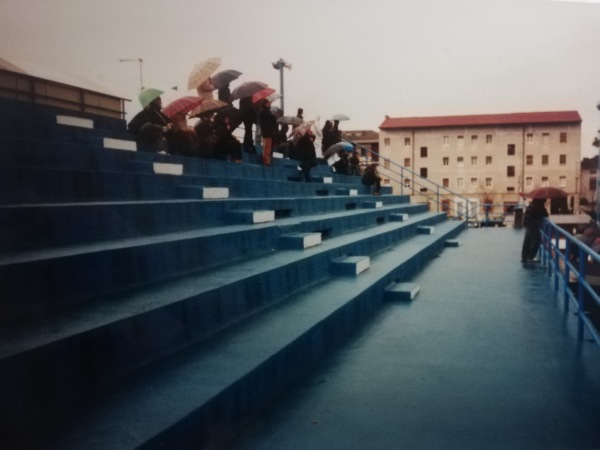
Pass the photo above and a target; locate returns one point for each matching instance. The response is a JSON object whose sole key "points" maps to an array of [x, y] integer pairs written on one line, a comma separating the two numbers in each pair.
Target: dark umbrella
{"points": [[546, 192], [335, 148], [223, 78], [247, 89]]}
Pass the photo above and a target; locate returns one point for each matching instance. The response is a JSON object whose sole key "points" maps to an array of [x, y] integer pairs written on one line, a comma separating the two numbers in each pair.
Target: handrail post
{"points": [[580, 297]]}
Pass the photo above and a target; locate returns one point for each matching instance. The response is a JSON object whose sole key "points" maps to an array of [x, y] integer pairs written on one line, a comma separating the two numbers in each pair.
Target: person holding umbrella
{"points": [[533, 221], [151, 126], [268, 129]]}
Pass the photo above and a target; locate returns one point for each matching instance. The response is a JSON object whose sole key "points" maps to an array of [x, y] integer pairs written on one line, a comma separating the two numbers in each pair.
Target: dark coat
{"points": [[268, 123], [534, 215], [147, 126]]}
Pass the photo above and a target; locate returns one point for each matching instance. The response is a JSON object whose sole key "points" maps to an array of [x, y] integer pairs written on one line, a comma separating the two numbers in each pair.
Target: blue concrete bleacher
{"points": [[124, 289]]}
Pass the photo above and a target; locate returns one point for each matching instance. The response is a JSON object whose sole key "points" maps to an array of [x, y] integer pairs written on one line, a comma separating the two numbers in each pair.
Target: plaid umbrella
{"points": [[223, 78], [247, 89], [182, 105], [261, 95], [202, 72]]}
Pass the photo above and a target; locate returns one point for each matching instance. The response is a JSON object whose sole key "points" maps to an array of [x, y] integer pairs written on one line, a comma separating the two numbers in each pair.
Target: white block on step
{"points": [[425, 229], [168, 168], [327, 180], [75, 121], [120, 144], [400, 217], [350, 265], [215, 192], [402, 291]]}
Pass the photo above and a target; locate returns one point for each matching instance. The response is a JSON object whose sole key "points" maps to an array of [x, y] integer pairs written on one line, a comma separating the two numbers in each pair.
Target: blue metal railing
{"points": [[443, 197], [569, 260]]}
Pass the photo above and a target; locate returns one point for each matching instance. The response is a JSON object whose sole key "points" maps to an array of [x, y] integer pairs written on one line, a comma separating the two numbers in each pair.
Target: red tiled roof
{"points": [[391, 123]]}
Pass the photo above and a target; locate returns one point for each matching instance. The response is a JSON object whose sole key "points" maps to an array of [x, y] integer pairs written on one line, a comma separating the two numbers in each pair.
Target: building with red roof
{"points": [[487, 158]]}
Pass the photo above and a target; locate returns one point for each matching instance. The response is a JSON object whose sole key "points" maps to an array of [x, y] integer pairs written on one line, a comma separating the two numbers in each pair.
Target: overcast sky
{"points": [[365, 59]]}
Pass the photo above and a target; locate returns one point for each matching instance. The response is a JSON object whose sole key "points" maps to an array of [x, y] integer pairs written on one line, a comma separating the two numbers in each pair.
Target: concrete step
{"points": [[219, 386], [402, 292]]}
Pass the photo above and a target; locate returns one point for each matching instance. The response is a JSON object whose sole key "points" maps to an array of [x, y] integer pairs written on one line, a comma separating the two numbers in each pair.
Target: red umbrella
{"points": [[182, 105], [546, 192], [260, 95]]}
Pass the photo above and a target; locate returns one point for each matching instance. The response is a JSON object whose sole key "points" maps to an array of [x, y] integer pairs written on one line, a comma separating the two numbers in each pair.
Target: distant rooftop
{"points": [[361, 135], [391, 123]]}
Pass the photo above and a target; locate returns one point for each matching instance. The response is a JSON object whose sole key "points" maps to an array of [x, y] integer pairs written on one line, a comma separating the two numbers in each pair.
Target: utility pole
{"points": [[280, 64]]}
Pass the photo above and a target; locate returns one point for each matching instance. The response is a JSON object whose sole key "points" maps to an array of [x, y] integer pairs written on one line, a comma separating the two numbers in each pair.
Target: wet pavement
{"points": [[483, 358]]}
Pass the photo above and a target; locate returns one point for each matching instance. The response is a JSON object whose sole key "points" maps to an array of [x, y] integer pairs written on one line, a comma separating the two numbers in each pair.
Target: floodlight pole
{"points": [[279, 65], [141, 61]]}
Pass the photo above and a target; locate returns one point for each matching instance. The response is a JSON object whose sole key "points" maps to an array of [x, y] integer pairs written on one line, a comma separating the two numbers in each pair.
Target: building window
{"points": [[460, 161], [510, 171], [488, 138], [529, 181], [488, 160], [406, 162], [563, 159], [545, 182], [530, 138], [488, 182], [474, 139], [473, 182], [592, 184], [529, 160], [445, 161], [461, 140], [510, 189], [473, 160], [446, 140], [544, 160], [423, 172], [563, 137], [562, 181], [407, 142], [423, 152], [446, 182], [545, 138], [511, 149], [459, 182], [386, 142], [407, 182]]}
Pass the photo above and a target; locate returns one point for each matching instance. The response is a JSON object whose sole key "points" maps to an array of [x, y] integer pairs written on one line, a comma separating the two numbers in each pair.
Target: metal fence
{"points": [[573, 266]]}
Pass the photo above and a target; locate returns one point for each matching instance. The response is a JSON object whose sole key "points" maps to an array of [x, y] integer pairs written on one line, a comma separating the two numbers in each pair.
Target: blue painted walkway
{"points": [[483, 358]]}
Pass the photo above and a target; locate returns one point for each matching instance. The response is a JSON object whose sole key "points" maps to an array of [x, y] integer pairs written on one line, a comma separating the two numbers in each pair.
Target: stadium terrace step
{"points": [[254, 363], [161, 301], [54, 225]]}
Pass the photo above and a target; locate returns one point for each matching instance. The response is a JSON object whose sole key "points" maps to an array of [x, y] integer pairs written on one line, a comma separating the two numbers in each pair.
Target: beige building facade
{"points": [[485, 158]]}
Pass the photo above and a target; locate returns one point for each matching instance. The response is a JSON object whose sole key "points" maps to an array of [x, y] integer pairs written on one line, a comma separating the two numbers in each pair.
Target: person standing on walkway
{"points": [[533, 221]]}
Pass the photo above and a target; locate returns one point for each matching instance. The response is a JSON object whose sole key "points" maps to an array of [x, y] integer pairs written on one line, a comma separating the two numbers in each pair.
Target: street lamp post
{"points": [[141, 61], [279, 65]]}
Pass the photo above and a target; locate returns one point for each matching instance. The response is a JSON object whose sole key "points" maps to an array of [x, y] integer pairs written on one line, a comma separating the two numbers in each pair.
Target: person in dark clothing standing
{"points": [[328, 138], [533, 221], [268, 129], [371, 177], [307, 155]]}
